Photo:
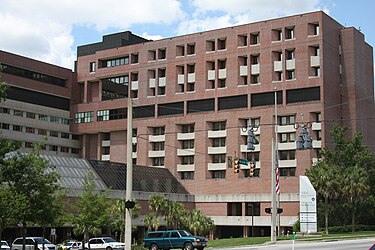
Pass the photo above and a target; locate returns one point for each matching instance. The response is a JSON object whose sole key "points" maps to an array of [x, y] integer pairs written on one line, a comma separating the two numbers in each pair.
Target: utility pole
{"points": [[129, 176], [273, 176]]}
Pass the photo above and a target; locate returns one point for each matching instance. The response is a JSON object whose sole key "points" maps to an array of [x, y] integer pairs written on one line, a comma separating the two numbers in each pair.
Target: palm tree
{"points": [[324, 178], [152, 221], [157, 203], [118, 212], [355, 188], [174, 213]]}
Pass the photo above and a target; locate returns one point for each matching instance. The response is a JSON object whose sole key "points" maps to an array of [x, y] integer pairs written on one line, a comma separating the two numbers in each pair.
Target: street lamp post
{"points": [[129, 176], [273, 178]]}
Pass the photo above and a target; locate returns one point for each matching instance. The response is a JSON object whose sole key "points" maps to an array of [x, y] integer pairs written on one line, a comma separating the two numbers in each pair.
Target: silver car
{"points": [[31, 242], [4, 245]]}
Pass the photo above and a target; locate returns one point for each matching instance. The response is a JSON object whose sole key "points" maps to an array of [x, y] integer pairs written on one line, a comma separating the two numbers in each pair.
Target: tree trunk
{"points": [[326, 212], [353, 218]]}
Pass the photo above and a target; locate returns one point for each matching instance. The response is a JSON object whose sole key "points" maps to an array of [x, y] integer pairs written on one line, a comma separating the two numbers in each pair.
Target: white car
{"points": [[104, 243], [30, 243], [4, 245]]}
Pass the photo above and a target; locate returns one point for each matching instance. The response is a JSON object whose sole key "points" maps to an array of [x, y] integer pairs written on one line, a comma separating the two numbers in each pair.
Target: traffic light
{"points": [[250, 139], [268, 210], [252, 166], [236, 166]]}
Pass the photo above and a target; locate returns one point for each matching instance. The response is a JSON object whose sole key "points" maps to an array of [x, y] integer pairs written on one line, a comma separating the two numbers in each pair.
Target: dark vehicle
{"points": [[169, 239], [372, 247]]}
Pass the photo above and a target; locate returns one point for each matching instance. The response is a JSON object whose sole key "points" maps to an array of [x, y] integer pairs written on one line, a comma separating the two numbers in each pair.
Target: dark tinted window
{"points": [[303, 95], [201, 105], [144, 111], [38, 98], [155, 235], [232, 102], [176, 108], [266, 99]]}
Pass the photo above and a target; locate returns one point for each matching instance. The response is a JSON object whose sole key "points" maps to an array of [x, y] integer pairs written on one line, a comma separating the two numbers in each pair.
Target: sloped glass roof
{"points": [[145, 179]]}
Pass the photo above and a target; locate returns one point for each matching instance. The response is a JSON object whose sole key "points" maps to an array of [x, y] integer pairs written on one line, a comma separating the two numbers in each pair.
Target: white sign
{"points": [[53, 231], [307, 206]]}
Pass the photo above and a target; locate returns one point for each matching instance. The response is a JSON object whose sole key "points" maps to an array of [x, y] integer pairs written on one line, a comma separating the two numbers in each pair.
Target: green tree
{"points": [[152, 221], [11, 206], [325, 179], [175, 214], [34, 178], [118, 215], [355, 189], [91, 210], [158, 203], [199, 223], [3, 89]]}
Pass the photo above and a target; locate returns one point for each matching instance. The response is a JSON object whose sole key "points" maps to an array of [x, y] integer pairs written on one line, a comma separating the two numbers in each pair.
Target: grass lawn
{"points": [[259, 240]]}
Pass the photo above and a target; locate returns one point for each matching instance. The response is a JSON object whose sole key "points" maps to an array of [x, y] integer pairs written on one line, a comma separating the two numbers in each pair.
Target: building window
{"points": [[318, 117], [42, 132], [43, 117], [252, 208], [64, 149], [187, 144], [158, 131], [162, 54], [54, 119], [218, 158], [289, 33], [115, 62], [290, 74], [287, 137], [287, 154], [30, 130], [287, 120], [30, 115], [255, 79], [92, 67], [219, 125], [314, 29], [254, 38], [17, 128], [190, 49], [218, 142], [210, 45], [75, 150], [134, 58], [221, 43], [277, 35], [187, 128], [234, 209], [17, 112], [180, 50], [187, 160], [29, 145], [218, 174], [4, 110], [64, 121], [84, 117], [54, 133], [5, 126], [289, 54], [242, 40], [64, 135], [102, 115], [158, 161], [187, 175], [106, 150], [287, 171], [53, 148], [158, 146]]}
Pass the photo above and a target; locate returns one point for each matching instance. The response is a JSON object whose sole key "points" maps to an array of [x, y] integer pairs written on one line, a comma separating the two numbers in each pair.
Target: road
{"points": [[350, 244]]}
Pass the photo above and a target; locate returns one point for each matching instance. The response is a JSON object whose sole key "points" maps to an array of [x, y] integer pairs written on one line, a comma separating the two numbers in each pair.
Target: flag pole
{"points": [[273, 189]]}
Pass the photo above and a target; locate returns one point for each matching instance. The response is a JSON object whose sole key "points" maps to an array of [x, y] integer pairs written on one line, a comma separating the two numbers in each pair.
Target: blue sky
{"points": [[50, 30]]}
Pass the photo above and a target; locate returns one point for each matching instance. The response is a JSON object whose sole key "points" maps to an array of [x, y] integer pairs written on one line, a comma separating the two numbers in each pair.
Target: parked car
{"points": [[169, 239], [69, 245], [30, 243], [4, 245], [372, 247], [104, 243]]}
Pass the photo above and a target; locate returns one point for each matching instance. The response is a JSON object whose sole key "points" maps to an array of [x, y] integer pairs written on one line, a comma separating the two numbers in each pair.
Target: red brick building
{"points": [[193, 96]]}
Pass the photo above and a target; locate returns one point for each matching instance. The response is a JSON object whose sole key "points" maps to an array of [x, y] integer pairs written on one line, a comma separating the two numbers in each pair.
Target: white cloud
{"points": [[211, 14], [151, 37], [42, 29]]}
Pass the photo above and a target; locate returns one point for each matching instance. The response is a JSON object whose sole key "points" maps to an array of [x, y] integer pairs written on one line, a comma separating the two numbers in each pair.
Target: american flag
{"points": [[277, 173]]}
